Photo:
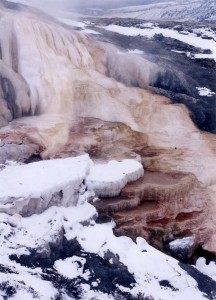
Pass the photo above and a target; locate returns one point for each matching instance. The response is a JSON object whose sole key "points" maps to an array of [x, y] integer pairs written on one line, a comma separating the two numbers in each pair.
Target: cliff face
{"points": [[58, 78]]}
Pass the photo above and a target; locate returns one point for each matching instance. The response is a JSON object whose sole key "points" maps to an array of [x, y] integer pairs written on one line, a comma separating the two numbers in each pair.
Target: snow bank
{"points": [[107, 180]]}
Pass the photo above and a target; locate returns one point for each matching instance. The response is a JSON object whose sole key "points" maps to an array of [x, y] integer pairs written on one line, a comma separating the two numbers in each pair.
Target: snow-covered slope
{"points": [[67, 253], [178, 10], [197, 10]]}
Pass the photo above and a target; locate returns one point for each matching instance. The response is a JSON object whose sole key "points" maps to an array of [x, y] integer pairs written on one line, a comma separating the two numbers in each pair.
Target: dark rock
{"points": [[178, 74], [8, 289], [9, 95], [184, 249], [205, 284], [33, 158], [109, 272], [200, 252], [101, 219], [167, 284]]}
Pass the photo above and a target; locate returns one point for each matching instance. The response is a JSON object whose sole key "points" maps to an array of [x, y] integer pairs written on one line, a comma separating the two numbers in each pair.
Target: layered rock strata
{"points": [[161, 207]]}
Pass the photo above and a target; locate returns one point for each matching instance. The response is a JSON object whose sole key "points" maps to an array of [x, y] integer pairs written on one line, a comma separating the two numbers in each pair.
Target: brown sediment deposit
{"points": [[161, 207]]}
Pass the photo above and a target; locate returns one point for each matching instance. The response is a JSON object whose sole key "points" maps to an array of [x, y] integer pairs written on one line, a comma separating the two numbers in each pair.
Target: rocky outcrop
{"points": [[184, 248], [161, 207], [18, 146], [102, 140]]}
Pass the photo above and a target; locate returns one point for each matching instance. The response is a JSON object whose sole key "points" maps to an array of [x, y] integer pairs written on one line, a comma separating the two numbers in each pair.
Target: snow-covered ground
{"points": [[149, 267], [31, 244], [202, 38], [189, 38]]}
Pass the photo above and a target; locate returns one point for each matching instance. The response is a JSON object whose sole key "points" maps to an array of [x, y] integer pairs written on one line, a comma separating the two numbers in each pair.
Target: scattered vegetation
{"points": [[8, 289], [119, 295]]}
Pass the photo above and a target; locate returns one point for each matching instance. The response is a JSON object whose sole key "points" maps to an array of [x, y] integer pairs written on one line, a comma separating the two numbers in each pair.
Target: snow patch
{"points": [[73, 23], [209, 270], [78, 24], [90, 31], [71, 267], [183, 243], [203, 91]]}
